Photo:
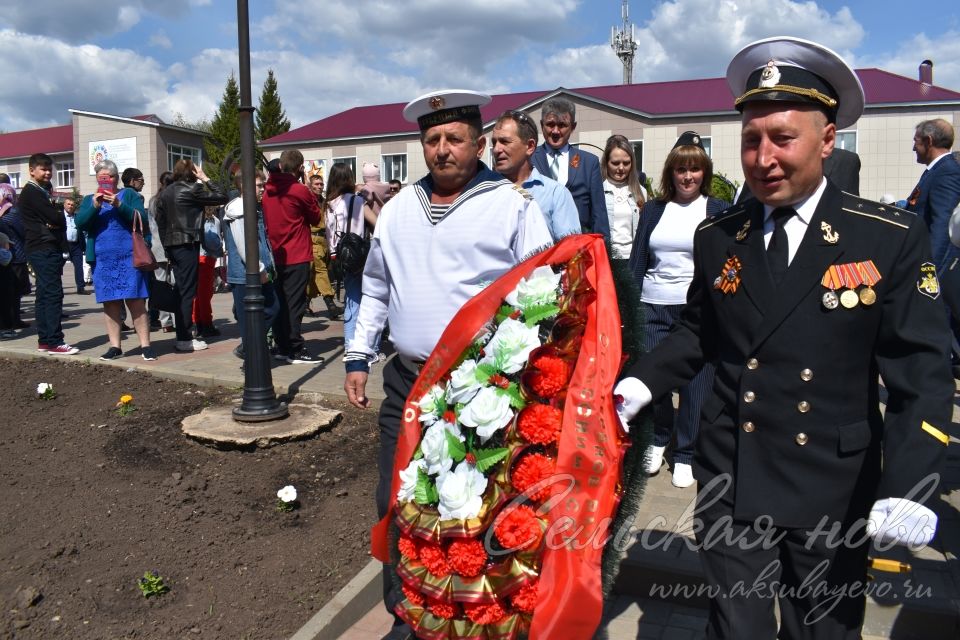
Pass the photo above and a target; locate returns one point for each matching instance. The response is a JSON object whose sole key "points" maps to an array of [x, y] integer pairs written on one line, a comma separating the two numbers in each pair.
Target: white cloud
{"points": [[943, 50], [75, 21], [161, 39]]}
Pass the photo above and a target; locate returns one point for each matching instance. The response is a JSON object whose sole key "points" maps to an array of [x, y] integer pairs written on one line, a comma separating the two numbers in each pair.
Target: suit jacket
{"points": [[934, 199], [794, 414], [585, 184]]}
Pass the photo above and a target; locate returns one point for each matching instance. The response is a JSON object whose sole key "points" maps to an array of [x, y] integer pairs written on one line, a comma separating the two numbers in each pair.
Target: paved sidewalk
{"points": [[217, 365]]}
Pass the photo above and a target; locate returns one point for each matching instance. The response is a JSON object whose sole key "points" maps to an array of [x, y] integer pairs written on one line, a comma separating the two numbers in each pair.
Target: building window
{"points": [[638, 153], [707, 142], [847, 140], [394, 167], [177, 152], [14, 179], [65, 174], [352, 161]]}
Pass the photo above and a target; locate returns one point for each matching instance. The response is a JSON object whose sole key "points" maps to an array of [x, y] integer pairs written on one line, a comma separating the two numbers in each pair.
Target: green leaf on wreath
{"points": [[483, 372], [505, 311], [455, 448], [537, 313], [418, 454], [516, 397], [426, 490], [487, 458]]}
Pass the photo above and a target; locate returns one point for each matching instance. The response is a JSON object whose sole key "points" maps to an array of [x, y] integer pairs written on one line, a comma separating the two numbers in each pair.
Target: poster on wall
{"points": [[315, 167], [123, 151]]}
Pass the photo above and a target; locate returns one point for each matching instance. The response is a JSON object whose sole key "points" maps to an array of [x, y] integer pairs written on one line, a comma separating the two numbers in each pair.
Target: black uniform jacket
{"points": [[794, 415]]}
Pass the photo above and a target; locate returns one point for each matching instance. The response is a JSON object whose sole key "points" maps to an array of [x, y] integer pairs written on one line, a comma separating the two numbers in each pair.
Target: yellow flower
{"points": [[126, 399]]}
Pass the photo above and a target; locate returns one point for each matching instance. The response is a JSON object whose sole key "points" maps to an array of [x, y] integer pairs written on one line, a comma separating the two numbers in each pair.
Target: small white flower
{"points": [[463, 382], [488, 412], [435, 449], [43, 388], [430, 404], [540, 287], [461, 492], [408, 480], [287, 494], [511, 345]]}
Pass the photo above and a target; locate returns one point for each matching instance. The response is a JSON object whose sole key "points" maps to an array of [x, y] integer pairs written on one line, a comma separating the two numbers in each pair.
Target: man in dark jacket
{"points": [[46, 235], [289, 209], [180, 222]]}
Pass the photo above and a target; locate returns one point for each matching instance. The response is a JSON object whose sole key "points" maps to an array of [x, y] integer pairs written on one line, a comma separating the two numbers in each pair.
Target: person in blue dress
{"points": [[107, 216]]}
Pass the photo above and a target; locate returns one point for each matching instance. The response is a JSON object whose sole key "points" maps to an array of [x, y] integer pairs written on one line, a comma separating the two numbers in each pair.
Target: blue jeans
{"points": [[271, 304], [352, 292], [48, 268]]}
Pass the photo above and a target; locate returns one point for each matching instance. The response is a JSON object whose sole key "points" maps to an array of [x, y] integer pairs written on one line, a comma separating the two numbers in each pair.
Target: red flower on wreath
{"points": [[434, 560], [532, 469], [551, 376], [467, 557], [449, 416], [484, 613], [517, 528], [445, 610], [413, 595], [540, 423], [526, 598], [408, 548]]}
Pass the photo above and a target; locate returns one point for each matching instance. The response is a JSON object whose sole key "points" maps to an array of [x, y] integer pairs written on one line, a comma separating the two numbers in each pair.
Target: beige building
{"points": [[652, 115], [144, 142]]}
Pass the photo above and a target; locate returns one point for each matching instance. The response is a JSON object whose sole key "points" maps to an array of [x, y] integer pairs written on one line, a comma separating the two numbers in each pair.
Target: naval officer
{"points": [[436, 244], [801, 299]]}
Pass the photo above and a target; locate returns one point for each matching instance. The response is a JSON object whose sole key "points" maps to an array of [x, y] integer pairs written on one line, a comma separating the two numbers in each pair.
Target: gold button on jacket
{"points": [[801, 439]]}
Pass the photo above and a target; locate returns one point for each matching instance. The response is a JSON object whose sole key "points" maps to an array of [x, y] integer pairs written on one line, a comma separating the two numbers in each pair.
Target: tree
{"points": [[180, 120], [224, 137], [271, 118]]}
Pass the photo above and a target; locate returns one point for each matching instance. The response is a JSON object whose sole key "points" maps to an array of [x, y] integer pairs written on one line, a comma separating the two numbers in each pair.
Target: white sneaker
{"points": [[654, 460], [682, 475], [191, 345]]}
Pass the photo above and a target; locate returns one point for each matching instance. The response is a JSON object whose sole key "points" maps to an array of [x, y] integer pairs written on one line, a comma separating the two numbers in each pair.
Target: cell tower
{"points": [[623, 43]]}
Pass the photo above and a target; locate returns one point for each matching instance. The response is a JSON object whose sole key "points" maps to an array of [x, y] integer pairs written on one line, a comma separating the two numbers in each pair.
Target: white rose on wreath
{"points": [[511, 345], [539, 288], [408, 480], [430, 404], [461, 492], [435, 449], [463, 382], [488, 412]]}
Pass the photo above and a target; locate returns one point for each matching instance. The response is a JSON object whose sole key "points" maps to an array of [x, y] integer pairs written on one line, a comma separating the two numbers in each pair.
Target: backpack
{"points": [[351, 251]]}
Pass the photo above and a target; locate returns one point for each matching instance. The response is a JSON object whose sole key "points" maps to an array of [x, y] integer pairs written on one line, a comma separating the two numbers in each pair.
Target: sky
{"points": [[133, 57]]}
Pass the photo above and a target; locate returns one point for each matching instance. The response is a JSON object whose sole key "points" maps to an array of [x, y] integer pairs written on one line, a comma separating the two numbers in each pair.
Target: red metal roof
{"points": [[709, 95], [21, 144]]}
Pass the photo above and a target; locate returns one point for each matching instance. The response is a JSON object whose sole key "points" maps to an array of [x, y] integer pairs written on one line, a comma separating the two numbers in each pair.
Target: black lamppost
{"points": [[259, 399]]}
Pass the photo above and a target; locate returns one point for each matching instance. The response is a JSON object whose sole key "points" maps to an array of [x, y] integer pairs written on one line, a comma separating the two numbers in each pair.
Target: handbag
{"points": [[142, 255], [351, 252], [164, 295]]}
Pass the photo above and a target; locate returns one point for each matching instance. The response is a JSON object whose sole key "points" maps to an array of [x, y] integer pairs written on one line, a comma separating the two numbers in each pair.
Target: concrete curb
{"points": [[348, 606]]}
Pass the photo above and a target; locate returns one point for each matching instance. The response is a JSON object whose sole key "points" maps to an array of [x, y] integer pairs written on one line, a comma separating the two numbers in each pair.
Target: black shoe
{"points": [[335, 311], [20, 324], [112, 354], [304, 357], [124, 327], [155, 325], [148, 354], [238, 351], [82, 292], [208, 331]]}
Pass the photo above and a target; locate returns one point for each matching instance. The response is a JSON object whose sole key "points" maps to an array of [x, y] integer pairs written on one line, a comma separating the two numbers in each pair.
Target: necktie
{"points": [[778, 251], [555, 166]]}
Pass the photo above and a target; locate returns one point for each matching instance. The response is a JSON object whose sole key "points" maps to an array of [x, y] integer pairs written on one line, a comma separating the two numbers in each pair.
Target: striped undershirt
{"points": [[437, 211]]}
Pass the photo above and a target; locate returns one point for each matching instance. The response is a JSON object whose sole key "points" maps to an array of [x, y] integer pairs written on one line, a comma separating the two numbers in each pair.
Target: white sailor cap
{"points": [[446, 105], [795, 70]]}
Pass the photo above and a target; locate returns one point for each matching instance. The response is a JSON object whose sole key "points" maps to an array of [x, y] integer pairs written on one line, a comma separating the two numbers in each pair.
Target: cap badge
{"points": [[437, 102], [770, 77]]}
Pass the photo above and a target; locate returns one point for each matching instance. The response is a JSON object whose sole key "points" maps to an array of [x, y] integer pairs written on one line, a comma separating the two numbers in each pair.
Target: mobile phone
{"points": [[105, 186]]}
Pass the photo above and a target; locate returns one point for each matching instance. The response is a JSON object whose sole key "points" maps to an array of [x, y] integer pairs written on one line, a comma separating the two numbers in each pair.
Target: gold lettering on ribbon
{"points": [[409, 415]]}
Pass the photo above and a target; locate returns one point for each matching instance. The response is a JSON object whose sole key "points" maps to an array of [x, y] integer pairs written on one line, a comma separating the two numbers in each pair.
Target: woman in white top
{"points": [[341, 199], [623, 193], [662, 263]]}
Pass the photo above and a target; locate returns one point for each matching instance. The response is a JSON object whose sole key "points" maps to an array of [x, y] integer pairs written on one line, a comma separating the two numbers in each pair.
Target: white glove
{"points": [[635, 396], [901, 521]]}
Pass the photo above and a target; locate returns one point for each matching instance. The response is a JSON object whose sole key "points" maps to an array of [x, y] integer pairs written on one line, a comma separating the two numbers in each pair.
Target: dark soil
{"points": [[91, 500]]}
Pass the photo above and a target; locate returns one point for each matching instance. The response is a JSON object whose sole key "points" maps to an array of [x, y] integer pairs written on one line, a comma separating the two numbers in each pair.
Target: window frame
{"points": [[61, 170], [844, 133], [351, 160], [14, 179], [174, 156], [384, 164]]}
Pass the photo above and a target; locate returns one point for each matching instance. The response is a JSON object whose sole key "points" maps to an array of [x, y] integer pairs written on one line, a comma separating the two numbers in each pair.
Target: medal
{"points": [[868, 296], [729, 279], [849, 299], [830, 300]]}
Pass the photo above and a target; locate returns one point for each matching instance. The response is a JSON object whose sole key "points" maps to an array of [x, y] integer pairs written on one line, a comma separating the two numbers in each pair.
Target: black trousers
{"points": [[9, 298], [819, 589], [185, 261], [77, 255], [291, 287], [397, 382]]}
